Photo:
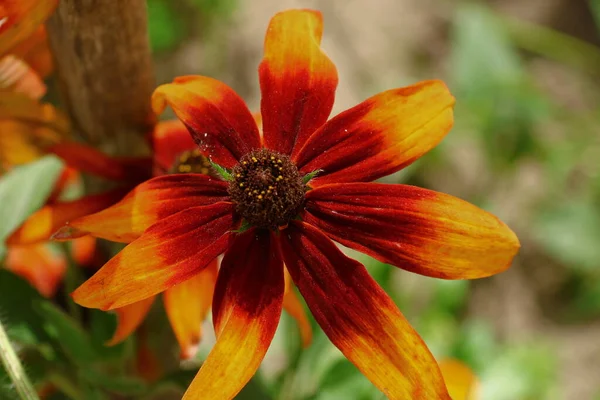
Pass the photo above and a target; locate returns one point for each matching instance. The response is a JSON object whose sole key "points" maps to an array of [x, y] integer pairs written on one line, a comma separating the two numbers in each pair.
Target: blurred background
{"points": [[525, 146]]}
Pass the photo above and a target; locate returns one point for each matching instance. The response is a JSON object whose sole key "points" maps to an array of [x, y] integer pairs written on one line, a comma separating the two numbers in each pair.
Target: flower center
{"points": [[267, 189], [192, 161]]}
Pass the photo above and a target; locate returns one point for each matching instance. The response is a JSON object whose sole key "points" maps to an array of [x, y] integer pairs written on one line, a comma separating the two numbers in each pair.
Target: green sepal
{"points": [[223, 172], [306, 178], [243, 227]]}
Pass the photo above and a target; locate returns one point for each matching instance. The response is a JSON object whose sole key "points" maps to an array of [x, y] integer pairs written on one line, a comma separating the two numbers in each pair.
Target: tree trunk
{"points": [[104, 69]]}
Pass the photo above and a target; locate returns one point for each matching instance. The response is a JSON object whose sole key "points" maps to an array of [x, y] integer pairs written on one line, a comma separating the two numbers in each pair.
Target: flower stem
{"points": [[15, 370]]}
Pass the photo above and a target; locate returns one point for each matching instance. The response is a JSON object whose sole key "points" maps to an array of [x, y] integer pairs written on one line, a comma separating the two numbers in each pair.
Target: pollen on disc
{"points": [[267, 189]]}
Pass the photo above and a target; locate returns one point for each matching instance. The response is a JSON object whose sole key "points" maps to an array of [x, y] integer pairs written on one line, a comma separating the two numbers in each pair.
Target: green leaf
{"points": [[223, 172], [595, 6], [524, 371], [253, 391], [571, 232], [115, 384], [18, 310], [450, 295], [306, 178], [482, 54], [102, 327], [243, 227], [166, 27], [179, 380], [313, 367], [24, 190], [477, 345], [68, 334]]}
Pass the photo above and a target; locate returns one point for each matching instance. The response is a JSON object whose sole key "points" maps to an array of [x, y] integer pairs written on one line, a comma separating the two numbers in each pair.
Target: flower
{"points": [[187, 303], [461, 382], [284, 195], [42, 267], [27, 126], [24, 54]]}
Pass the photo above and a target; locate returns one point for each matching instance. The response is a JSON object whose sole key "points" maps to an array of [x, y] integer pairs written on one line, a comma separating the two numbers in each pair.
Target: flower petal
{"points": [[216, 116], [44, 222], [69, 178], [147, 364], [83, 251], [171, 251], [35, 52], [39, 265], [359, 317], [20, 19], [17, 144], [169, 140], [147, 204], [246, 311], [297, 80], [379, 136], [293, 306], [22, 108], [187, 305], [129, 319], [416, 229], [461, 381], [88, 159], [17, 76]]}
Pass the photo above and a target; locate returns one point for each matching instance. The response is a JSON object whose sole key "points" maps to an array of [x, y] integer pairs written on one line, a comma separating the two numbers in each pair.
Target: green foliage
{"points": [[492, 87], [595, 7], [570, 232], [19, 309], [525, 371], [172, 22], [166, 26], [67, 333], [24, 190]]}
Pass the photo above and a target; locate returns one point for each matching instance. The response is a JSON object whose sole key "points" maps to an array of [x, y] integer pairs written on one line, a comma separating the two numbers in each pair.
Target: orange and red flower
{"points": [[284, 195], [187, 304]]}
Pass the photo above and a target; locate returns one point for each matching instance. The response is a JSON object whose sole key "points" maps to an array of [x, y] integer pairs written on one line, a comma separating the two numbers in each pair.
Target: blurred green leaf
{"points": [[477, 345], [482, 55], [493, 90], [524, 371], [253, 391], [6, 387], [165, 26], [18, 310], [102, 326], [179, 379], [215, 8], [312, 367], [344, 381], [439, 329], [586, 302], [570, 231], [23, 190], [93, 393], [114, 383], [68, 334], [450, 295], [595, 6], [57, 396]]}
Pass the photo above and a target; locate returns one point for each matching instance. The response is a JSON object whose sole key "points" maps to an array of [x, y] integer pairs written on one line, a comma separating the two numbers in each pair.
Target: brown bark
{"points": [[104, 70]]}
